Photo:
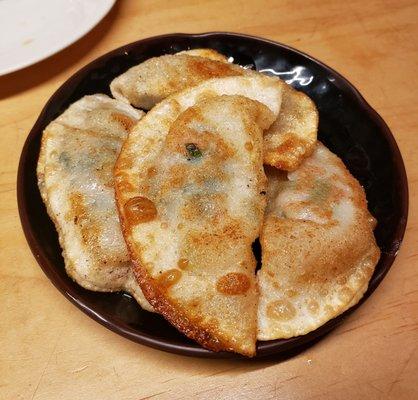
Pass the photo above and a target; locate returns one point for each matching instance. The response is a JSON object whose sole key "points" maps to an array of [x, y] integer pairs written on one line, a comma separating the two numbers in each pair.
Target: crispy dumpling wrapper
{"points": [[318, 248], [206, 53], [78, 152], [190, 191], [153, 80]]}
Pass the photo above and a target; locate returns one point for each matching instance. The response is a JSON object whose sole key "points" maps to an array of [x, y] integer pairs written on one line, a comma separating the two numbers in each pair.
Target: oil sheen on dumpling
{"points": [[318, 248], [190, 191], [78, 153]]}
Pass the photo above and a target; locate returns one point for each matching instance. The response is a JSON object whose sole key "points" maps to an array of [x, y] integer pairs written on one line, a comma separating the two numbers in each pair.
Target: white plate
{"points": [[31, 30]]}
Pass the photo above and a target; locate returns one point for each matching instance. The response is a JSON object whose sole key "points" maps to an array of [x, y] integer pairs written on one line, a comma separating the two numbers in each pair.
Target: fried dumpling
{"points": [[190, 192], [318, 248], [293, 135], [288, 141], [153, 80], [78, 153]]}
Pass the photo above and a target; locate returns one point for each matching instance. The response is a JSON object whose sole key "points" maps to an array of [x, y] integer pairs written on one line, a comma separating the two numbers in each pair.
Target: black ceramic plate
{"points": [[347, 125]]}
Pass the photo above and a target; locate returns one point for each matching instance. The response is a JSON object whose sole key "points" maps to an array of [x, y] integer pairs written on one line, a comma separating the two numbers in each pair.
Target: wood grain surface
{"points": [[51, 350]]}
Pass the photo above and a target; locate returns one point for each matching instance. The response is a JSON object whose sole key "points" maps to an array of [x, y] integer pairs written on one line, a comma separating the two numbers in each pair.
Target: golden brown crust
{"points": [[78, 151], [155, 79], [293, 136], [201, 237], [123, 120], [161, 303], [318, 248], [156, 296], [206, 53]]}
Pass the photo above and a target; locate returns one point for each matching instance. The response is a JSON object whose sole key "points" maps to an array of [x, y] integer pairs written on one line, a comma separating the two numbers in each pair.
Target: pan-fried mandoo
{"points": [[78, 153], [318, 248], [153, 80], [190, 192], [288, 141]]}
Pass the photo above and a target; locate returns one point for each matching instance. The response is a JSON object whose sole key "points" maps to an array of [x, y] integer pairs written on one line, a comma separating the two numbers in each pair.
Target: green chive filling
{"points": [[193, 151]]}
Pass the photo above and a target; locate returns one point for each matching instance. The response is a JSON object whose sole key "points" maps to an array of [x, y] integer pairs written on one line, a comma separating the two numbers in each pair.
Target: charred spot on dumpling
{"points": [[233, 283]]}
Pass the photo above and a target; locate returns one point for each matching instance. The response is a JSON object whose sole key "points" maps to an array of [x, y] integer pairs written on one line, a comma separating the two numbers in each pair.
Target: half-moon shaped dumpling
{"points": [[318, 248], [146, 84], [78, 152], [190, 191]]}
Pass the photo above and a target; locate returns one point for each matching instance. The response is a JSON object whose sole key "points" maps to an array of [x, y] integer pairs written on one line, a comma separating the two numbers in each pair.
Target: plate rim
{"points": [[266, 348]]}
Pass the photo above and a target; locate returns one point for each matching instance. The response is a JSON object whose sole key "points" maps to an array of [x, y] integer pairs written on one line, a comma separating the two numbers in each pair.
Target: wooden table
{"points": [[51, 350]]}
